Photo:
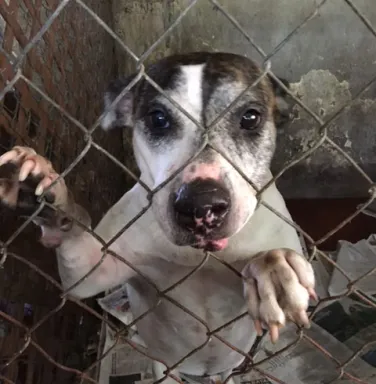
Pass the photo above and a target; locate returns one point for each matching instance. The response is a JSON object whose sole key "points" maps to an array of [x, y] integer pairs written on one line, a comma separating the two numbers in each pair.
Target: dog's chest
{"points": [[202, 303], [213, 292]]}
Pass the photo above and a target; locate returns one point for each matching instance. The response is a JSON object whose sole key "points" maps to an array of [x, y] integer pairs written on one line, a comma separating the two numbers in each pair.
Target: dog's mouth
{"points": [[205, 238], [210, 245]]}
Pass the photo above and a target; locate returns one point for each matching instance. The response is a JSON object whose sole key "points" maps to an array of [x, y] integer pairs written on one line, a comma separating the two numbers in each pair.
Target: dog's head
{"points": [[209, 201]]}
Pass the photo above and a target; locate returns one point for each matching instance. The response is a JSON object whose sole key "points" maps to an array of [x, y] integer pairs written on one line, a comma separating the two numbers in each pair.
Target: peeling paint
{"points": [[348, 143], [367, 104], [322, 92]]}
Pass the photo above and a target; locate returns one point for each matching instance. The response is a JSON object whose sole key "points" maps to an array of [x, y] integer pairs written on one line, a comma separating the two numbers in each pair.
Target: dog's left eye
{"points": [[251, 119], [159, 119]]}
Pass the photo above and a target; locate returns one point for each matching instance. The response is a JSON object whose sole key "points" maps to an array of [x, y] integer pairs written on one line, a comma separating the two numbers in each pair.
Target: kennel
{"points": [[56, 59]]}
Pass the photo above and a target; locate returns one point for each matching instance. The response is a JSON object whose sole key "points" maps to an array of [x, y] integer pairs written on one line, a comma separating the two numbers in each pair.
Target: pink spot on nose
{"points": [[218, 245], [201, 171]]}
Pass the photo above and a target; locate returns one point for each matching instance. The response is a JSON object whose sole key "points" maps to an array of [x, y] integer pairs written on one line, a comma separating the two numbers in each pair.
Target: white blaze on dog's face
{"points": [[209, 201]]}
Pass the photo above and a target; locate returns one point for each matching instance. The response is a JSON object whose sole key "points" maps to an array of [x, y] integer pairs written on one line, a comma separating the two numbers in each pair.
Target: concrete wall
{"points": [[328, 61]]}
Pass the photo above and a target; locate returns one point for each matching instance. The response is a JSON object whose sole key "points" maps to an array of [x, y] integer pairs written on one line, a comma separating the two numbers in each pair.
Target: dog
{"points": [[208, 206]]}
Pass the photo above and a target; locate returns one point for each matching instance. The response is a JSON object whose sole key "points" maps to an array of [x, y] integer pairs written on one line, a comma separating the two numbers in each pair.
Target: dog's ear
{"points": [[284, 102], [120, 115]]}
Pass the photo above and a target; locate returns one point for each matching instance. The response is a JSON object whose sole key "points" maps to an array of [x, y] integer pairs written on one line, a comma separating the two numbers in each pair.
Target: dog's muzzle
{"points": [[201, 206]]}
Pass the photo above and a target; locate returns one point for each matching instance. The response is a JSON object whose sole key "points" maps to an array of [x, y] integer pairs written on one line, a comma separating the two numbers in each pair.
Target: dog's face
{"points": [[209, 200]]}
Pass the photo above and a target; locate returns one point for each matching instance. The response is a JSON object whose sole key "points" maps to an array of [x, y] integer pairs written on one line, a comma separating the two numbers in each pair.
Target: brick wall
{"points": [[72, 64]]}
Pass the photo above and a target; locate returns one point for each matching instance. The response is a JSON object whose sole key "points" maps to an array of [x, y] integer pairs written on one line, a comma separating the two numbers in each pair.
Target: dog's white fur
{"points": [[214, 293]]}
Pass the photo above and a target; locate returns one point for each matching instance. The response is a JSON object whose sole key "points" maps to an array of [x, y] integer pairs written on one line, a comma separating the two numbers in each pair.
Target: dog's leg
{"points": [[24, 176], [158, 372]]}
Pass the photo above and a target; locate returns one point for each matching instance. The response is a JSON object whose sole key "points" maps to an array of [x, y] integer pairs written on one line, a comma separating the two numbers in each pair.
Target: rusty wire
{"points": [[120, 333]]}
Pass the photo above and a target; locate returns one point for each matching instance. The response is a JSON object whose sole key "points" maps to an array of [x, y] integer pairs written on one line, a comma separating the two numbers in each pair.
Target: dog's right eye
{"points": [[159, 120]]}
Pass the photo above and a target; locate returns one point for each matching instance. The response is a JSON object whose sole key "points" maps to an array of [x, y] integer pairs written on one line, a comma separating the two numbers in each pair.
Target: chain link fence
{"points": [[29, 68]]}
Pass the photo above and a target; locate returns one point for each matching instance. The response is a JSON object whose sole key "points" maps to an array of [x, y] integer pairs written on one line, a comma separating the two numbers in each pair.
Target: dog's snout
{"points": [[201, 205]]}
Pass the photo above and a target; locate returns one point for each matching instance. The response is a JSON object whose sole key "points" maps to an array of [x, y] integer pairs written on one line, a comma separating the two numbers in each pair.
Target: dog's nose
{"points": [[201, 203]]}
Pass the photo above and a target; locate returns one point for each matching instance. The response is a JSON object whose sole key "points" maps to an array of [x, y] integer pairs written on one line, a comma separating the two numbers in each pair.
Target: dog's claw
{"points": [[302, 319], [39, 190], [312, 294], [258, 327], [274, 333], [43, 185], [6, 158], [25, 170]]}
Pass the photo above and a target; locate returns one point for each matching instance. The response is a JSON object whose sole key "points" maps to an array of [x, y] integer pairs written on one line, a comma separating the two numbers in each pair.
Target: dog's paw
{"points": [[24, 176], [277, 286]]}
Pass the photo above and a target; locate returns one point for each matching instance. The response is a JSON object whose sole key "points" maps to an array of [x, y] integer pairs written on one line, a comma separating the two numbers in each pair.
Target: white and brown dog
{"points": [[207, 206]]}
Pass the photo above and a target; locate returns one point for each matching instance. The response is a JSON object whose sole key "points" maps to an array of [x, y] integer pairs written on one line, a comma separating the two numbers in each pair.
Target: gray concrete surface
{"points": [[328, 61]]}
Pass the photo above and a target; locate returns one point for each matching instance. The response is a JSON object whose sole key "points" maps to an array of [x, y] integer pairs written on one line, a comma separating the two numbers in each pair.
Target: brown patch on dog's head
{"points": [[282, 103]]}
